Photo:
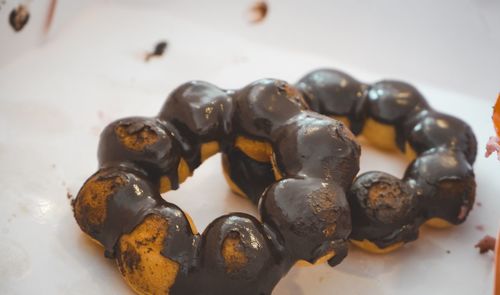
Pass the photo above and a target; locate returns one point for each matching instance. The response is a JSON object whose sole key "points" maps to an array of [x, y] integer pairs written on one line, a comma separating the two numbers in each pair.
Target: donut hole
{"points": [[206, 195]]}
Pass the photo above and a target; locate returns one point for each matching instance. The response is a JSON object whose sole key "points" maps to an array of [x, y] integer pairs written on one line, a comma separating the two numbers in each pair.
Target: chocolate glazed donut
{"points": [[309, 161], [438, 187]]}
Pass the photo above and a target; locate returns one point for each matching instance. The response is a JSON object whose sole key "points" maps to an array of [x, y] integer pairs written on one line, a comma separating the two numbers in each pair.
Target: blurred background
{"points": [[451, 43]]}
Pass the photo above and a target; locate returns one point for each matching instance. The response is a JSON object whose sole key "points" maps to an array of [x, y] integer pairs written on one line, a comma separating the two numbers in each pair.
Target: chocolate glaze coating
{"points": [[396, 103], [161, 157], [388, 210], [445, 180], [335, 93], [199, 112], [441, 130], [132, 196], [264, 106], [311, 216], [242, 168], [310, 139]]}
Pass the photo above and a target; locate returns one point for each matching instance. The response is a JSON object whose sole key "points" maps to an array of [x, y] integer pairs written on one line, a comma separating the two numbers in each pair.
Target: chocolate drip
{"points": [[135, 199], [242, 168], [200, 112]]}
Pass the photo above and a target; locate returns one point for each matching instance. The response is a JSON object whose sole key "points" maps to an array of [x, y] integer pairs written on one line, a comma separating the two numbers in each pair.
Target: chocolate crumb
{"points": [[159, 50], [480, 227], [69, 196], [479, 204], [19, 17], [258, 12], [448, 251], [486, 244]]}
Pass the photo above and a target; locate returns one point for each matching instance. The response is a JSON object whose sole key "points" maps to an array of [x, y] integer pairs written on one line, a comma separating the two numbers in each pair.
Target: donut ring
{"points": [[305, 213], [438, 187]]}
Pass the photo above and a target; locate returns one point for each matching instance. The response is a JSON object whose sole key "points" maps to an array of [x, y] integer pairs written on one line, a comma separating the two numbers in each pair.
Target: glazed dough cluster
{"points": [[304, 211]]}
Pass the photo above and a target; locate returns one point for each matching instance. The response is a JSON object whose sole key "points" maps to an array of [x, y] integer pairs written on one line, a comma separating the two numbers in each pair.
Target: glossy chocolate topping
{"points": [[264, 106], [388, 210], [241, 168], [310, 214], [334, 93], [142, 142], [311, 146], [200, 112], [445, 180]]}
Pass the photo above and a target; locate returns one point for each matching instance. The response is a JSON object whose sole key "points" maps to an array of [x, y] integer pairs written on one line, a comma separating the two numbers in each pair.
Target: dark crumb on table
{"points": [[448, 251], [479, 204], [480, 227], [159, 50], [69, 196], [258, 12], [486, 244], [19, 17]]}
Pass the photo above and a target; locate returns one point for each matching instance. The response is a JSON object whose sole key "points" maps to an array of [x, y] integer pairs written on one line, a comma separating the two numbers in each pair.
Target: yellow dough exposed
{"points": [[140, 260], [438, 223], [209, 149], [371, 247], [321, 260], [381, 135], [255, 149], [233, 254]]}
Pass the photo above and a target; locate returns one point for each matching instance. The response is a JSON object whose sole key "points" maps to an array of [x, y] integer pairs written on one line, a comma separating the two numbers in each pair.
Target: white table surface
{"points": [[54, 100]]}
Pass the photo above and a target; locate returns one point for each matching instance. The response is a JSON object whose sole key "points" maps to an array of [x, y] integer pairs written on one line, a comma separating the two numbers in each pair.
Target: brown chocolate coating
{"points": [[310, 214], [388, 209], [311, 146], [441, 130], [142, 142], [242, 168], [197, 112], [264, 106], [445, 180], [334, 93]]}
